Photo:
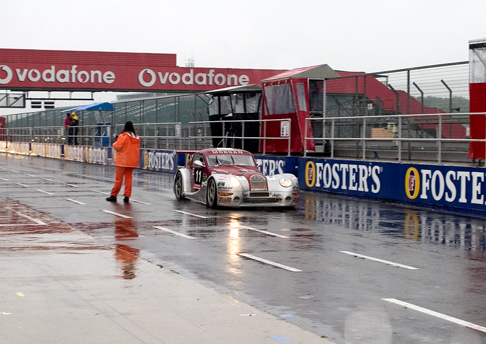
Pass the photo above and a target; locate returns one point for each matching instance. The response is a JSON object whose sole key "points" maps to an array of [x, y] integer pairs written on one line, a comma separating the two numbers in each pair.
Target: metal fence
{"points": [[425, 137], [429, 89], [174, 108], [442, 137]]}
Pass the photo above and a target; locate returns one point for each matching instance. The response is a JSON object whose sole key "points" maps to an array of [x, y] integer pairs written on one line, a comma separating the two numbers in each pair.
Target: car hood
{"points": [[256, 179], [236, 170]]}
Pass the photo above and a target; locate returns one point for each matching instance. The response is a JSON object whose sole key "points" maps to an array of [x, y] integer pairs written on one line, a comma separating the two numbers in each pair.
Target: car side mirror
{"points": [[199, 163], [259, 164]]}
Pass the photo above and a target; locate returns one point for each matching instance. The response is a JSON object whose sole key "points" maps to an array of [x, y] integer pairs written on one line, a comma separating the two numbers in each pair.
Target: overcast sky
{"points": [[365, 35]]}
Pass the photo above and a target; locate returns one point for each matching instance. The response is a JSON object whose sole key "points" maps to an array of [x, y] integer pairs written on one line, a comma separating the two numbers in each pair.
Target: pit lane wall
{"points": [[452, 188]]}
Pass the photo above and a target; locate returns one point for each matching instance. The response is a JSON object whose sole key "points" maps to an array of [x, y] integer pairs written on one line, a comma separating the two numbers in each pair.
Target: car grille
{"points": [[258, 182], [256, 200], [259, 194]]}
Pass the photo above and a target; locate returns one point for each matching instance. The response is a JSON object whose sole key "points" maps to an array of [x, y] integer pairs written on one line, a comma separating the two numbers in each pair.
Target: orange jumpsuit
{"points": [[127, 155]]}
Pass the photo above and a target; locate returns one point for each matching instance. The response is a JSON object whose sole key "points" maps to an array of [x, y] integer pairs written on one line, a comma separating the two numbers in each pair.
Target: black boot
{"points": [[111, 199], [126, 199]]}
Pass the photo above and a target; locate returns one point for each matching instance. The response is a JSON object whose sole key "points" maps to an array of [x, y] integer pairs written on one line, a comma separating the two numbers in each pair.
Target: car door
{"points": [[197, 171]]}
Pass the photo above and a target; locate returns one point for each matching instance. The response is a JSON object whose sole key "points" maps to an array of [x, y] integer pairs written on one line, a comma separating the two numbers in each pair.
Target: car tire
{"points": [[178, 186], [211, 194]]}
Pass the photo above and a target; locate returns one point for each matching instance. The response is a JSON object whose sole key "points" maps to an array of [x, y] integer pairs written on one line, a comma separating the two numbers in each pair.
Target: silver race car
{"points": [[230, 177]]}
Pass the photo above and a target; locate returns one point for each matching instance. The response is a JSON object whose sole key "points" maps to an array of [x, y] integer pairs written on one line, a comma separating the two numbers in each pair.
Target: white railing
{"points": [[86, 135], [418, 135], [158, 135]]}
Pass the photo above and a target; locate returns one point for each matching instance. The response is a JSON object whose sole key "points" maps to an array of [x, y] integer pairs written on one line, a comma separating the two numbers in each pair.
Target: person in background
{"points": [[67, 123], [74, 125], [127, 147]]}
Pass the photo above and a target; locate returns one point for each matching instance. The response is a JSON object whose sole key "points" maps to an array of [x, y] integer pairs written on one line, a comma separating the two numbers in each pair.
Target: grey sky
{"points": [[353, 35], [368, 36]]}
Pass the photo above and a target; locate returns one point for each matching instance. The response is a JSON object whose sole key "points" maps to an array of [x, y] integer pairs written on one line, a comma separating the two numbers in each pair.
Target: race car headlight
{"points": [[234, 182], [286, 182]]}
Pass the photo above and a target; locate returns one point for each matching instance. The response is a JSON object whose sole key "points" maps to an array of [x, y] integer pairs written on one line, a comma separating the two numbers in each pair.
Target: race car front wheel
{"points": [[211, 194], [178, 186]]}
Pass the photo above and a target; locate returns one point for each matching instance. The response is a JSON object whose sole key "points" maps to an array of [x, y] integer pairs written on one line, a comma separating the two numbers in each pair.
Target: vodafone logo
{"points": [[148, 78], [52, 75], [8, 74], [151, 75]]}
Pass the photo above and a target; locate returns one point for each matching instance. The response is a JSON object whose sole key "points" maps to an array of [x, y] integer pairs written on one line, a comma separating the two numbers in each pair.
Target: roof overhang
{"points": [[92, 107], [314, 72], [236, 89]]}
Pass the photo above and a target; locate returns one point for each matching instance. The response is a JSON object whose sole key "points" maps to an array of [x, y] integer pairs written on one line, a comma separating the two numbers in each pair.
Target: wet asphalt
{"points": [[348, 269]]}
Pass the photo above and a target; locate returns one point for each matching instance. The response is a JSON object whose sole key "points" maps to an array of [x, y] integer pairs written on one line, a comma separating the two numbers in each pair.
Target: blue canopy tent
{"points": [[103, 130], [93, 107]]}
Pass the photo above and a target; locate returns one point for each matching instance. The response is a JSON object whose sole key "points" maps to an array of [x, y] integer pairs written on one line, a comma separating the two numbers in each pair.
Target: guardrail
{"points": [[158, 135], [153, 135], [441, 137], [430, 137]]}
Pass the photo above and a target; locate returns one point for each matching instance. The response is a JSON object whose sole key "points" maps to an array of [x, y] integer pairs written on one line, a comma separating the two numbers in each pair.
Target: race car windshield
{"points": [[230, 159]]}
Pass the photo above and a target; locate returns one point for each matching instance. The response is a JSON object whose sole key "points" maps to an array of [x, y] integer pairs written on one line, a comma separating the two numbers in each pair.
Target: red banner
{"points": [[63, 70]]}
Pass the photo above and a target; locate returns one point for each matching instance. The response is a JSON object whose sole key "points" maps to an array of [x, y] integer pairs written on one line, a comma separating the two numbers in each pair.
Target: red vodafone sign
{"points": [[95, 71]]}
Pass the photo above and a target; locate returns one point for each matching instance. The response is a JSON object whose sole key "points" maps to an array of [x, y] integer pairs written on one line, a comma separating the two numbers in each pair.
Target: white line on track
{"points": [[174, 232], [4, 179], [37, 221], [132, 200], [379, 260], [47, 193], [269, 262], [30, 175], [263, 231], [25, 186], [100, 192], [116, 214], [74, 201], [49, 180], [21, 224], [137, 201], [438, 315], [72, 185], [184, 212]]}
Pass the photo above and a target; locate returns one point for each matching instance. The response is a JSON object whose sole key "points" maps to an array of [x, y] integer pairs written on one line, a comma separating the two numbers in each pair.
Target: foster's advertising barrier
{"points": [[456, 188]]}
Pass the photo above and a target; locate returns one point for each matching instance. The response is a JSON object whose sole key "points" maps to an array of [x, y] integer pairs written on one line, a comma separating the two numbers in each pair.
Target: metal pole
{"points": [[422, 106], [243, 135], [324, 104], [290, 135], [399, 139], [264, 136], [439, 135], [364, 138], [364, 96], [408, 91], [450, 105], [324, 98], [332, 138], [450, 95], [305, 136]]}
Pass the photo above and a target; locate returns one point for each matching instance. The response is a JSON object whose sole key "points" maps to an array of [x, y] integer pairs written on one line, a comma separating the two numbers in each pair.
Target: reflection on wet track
{"points": [[331, 266]]}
